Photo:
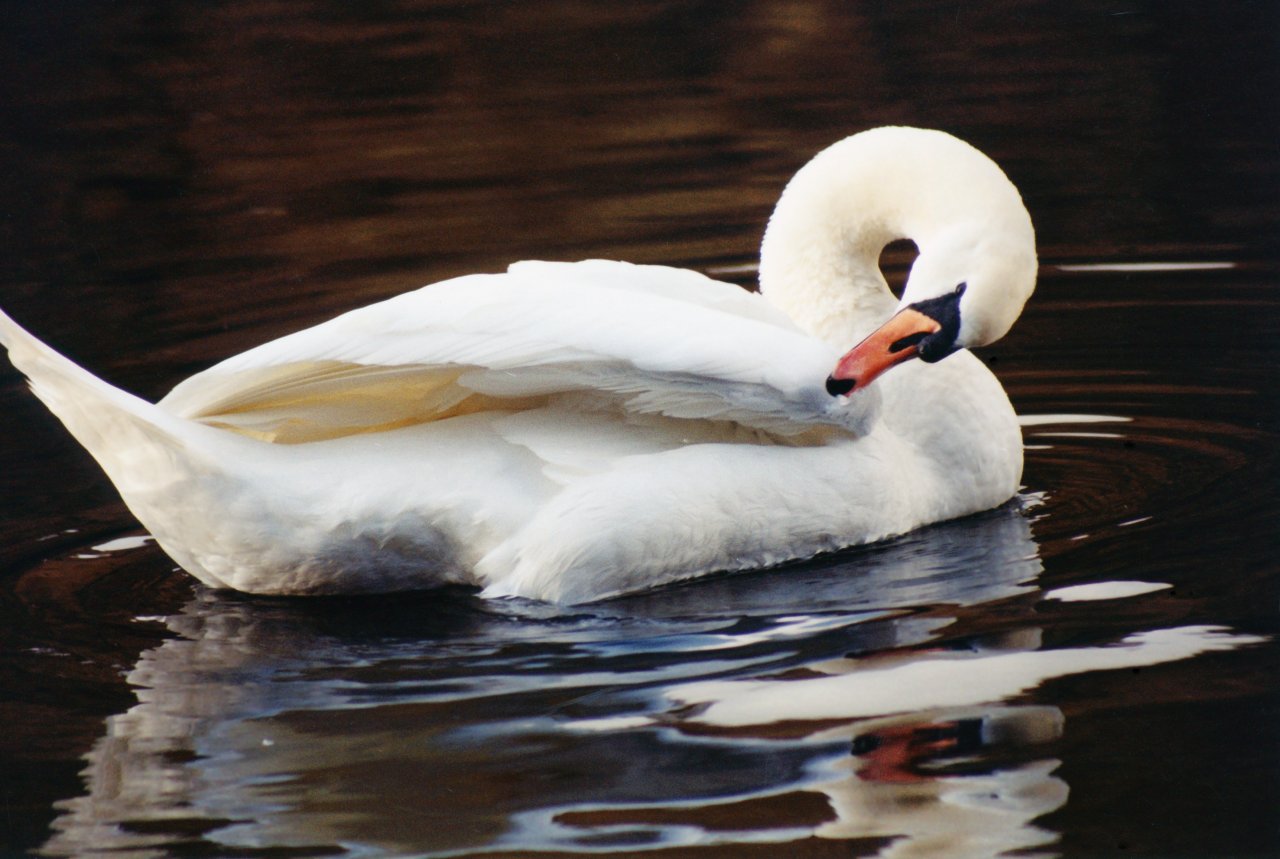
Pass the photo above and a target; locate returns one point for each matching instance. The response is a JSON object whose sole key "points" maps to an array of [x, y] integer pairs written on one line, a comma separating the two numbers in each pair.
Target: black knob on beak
{"points": [[840, 387]]}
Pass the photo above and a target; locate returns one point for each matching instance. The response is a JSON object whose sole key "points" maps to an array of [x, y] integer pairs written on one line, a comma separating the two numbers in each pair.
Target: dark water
{"points": [[182, 181]]}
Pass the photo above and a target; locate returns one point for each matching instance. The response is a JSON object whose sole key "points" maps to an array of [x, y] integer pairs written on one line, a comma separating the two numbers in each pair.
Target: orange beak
{"points": [[889, 345]]}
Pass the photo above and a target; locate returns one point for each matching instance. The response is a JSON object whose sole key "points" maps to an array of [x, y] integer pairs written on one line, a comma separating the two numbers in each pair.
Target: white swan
{"points": [[572, 431]]}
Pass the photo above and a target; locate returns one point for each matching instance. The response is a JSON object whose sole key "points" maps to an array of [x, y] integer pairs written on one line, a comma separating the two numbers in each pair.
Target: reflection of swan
{"points": [[359, 699], [891, 787], [568, 432], [420, 724], [918, 814]]}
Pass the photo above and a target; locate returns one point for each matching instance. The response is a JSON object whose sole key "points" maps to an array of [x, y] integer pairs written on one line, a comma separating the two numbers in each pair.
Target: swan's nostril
{"points": [[840, 387], [907, 342]]}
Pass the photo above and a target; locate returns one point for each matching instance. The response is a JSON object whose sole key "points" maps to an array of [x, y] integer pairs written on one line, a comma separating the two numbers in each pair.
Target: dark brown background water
{"points": [[181, 181]]}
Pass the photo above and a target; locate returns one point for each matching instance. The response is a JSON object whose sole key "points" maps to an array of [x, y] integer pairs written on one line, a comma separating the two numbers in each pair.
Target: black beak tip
{"points": [[840, 387]]}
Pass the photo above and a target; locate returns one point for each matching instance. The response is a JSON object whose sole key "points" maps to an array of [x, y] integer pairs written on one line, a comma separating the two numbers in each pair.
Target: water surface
{"points": [[1087, 670]]}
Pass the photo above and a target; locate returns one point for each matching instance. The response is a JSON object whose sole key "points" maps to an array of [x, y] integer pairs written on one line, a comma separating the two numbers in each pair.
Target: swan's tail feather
{"points": [[152, 456], [113, 425], [231, 510]]}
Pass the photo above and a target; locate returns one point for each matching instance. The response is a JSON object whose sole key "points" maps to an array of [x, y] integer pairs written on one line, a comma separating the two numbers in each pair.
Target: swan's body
{"points": [[573, 431]]}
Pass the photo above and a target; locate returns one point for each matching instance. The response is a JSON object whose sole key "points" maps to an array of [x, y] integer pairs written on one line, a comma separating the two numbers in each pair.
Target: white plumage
{"points": [[571, 431]]}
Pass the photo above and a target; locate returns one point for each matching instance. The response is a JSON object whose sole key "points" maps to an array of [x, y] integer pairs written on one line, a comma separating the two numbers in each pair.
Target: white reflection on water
{"points": [[756, 708], [855, 688], [124, 544], [1146, 267], [1105, 590]]}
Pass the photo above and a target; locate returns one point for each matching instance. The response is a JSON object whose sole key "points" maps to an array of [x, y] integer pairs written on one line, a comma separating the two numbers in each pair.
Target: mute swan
{"points": [[573, 431]]}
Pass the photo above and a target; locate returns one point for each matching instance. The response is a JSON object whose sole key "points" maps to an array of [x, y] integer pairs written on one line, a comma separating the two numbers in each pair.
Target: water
{"points": [[1088, 670]]}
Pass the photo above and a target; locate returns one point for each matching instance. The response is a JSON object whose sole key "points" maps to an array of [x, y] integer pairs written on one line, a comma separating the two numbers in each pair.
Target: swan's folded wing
{"points": [[646, 339]]}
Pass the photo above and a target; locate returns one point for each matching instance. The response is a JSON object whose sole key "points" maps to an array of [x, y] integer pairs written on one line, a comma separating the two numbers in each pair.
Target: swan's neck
{"points": [[819, 261], [822, 268]]}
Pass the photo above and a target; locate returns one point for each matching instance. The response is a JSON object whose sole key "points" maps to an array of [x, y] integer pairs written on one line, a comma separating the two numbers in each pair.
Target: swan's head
{"points": [[977, 262], [966, 288]]}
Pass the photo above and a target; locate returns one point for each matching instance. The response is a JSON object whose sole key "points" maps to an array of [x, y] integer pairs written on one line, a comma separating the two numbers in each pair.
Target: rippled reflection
{"points": [[817, 701]]}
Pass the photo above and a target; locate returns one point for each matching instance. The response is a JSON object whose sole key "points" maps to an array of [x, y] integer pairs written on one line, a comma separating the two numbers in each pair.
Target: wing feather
{"points": [[648, 339]]}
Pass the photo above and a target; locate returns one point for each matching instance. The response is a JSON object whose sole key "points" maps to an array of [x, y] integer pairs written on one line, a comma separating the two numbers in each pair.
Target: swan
{"points": [[569, 432]]}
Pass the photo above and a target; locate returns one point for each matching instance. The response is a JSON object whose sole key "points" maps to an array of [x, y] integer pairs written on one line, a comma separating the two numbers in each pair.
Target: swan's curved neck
{"points": [[819, 261]]}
